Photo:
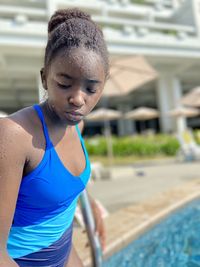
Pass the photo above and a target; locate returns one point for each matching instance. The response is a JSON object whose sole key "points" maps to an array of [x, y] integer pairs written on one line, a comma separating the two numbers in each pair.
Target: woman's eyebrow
{"points": [[65, 75]]}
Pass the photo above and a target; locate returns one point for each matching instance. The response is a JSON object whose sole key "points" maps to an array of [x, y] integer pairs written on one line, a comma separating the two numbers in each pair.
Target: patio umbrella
{"points": [[181, 112], [142, 114], [192, 98], [127, 73], [3, 114], [105, 115]]}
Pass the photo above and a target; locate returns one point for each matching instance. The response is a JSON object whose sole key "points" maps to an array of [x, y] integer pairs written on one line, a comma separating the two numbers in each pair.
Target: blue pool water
{"points": [[175, 242]]}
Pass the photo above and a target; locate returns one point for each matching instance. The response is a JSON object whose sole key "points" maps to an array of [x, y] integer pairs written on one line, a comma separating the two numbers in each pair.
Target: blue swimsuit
{"points": [[41, 232]]}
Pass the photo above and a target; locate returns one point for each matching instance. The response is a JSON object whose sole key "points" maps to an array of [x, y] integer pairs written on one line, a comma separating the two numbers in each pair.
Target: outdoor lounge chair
{"points": [[99, 172], [189, 149]]}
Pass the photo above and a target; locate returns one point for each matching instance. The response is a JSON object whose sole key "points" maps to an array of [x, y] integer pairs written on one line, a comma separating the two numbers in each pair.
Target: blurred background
{"points": [[143, 137], [154, 53], [150, 105]]}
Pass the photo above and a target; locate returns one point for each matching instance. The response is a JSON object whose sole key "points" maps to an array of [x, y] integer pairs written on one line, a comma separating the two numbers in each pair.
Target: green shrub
{"points": [[138, 1], [197, 136], [170, 148], [96, 146], [134, 145]]}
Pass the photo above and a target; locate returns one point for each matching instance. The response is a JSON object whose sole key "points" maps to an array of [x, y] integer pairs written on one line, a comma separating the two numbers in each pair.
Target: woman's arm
{"points": [[12, 161], [99, 222]]}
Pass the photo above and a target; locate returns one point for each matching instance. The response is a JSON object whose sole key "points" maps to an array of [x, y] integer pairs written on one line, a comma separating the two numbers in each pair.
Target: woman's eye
{"points": [[91, 90], [63, 86]]}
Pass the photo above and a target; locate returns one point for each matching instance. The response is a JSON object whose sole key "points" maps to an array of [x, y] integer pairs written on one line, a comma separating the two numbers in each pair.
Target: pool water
{"points": [[175, 242]]}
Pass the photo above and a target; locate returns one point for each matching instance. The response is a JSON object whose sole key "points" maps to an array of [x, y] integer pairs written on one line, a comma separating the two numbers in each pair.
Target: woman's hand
{"points": [[99, 222]]}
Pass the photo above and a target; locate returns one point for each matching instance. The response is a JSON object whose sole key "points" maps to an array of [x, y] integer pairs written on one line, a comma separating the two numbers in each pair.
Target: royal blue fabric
{"points": [[56, 255], [46, 201]]}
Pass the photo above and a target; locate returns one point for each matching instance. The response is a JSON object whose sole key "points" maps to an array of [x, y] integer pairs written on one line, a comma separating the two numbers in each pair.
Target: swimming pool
{"points": [[175, 242]]}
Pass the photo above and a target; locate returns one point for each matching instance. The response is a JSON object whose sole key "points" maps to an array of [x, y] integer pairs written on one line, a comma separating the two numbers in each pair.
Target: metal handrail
{"points": [[88, 217]]}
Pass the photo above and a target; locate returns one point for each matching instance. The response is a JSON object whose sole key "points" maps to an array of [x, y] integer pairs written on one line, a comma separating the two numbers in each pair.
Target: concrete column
{"points": [[51, 7], [196, 13], [164, 103], [125, 127], [176, 94], [169, 93], [129, 124], [176, 3], [41, 91]]}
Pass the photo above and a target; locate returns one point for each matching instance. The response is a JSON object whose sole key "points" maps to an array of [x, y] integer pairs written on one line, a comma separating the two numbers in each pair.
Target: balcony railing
{"points": [[33, 13], [129, 28], [142, 27], [11, 27]]}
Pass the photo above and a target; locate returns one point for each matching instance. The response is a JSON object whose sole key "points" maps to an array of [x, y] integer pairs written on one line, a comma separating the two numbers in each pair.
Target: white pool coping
{"points": [[133, 234], [181, 196]]}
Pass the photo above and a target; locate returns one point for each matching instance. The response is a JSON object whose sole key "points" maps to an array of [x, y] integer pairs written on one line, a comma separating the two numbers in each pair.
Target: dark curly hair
{"points": [[69, 28]]}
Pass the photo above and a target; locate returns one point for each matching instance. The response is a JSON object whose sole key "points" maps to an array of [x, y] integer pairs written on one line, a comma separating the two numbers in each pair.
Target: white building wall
{"points": [[188, 14], [185, 14], [163, 98], [139, 29], [125, 127], [169, 93]]}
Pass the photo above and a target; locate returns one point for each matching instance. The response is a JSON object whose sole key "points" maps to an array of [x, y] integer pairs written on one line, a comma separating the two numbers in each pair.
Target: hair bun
{"points": [[63, 15]]}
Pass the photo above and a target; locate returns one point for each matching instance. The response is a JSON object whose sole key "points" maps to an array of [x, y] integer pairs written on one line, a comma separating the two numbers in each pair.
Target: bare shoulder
{"points": [[16, 129], [18, 123], [9, 130]]}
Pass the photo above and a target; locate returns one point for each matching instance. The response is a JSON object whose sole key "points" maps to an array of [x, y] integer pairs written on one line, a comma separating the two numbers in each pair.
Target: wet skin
{"points": [[74, 81]]}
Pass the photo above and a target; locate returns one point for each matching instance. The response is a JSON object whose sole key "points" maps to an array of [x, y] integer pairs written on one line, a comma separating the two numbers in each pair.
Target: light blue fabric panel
{"points": [[25, 240]]}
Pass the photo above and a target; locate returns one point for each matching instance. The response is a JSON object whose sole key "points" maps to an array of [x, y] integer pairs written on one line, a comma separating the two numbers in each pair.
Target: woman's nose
{"points": [[77, 99]]}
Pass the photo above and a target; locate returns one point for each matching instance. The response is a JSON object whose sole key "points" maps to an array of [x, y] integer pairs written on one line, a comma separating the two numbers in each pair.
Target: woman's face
{"points": [[74, 82]]}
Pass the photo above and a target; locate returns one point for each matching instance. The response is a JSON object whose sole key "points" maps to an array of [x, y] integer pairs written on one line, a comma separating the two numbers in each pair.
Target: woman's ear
{"points": [[43, 78]]}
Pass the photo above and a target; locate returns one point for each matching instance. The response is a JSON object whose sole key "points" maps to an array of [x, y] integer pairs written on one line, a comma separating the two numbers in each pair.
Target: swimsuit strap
{"points": [[41, 116], [82, 142], [79, 133]]}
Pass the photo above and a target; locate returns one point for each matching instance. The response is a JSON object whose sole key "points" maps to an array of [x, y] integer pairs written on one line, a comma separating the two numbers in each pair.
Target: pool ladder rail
{"points": [[88, 217]]}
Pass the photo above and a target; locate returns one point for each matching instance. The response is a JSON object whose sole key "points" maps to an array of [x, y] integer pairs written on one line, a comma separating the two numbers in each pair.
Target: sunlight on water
{"points": [[173, 243]]}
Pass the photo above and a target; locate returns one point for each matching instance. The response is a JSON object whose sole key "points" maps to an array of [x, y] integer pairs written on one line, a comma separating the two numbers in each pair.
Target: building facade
{"points": [[165, 32]]}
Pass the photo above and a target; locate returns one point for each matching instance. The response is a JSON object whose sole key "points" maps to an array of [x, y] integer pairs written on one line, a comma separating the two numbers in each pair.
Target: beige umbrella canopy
{"points": [[192, 98], [183, 112], [127, 74], [105, 115], [179, 113], [142, 113], [3, 114]]}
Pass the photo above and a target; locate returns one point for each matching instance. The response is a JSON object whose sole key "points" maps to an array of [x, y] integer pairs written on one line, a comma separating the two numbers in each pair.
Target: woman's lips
{"points": [[73, 116]]}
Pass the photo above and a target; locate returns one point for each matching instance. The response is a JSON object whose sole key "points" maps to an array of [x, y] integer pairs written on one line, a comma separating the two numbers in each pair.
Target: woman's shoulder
{"points": [[19, 124]]}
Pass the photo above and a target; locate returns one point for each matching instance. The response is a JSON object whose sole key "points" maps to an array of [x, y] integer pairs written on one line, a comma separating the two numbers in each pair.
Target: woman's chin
{"points": [[72, 119]]}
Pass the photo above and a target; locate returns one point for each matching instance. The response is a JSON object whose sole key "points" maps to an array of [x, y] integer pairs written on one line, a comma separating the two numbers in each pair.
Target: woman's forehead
{"points": [[80, 61]]}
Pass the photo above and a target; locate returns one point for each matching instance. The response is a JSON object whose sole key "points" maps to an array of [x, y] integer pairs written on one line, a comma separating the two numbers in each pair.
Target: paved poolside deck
{"points": [[137, 197]]}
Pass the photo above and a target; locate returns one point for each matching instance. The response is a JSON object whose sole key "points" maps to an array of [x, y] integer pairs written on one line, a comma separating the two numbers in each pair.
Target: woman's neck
{"points": [[52, 118]]}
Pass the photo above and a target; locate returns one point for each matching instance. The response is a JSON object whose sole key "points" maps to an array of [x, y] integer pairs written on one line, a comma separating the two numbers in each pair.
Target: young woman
{"points": [[44, 165]]}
